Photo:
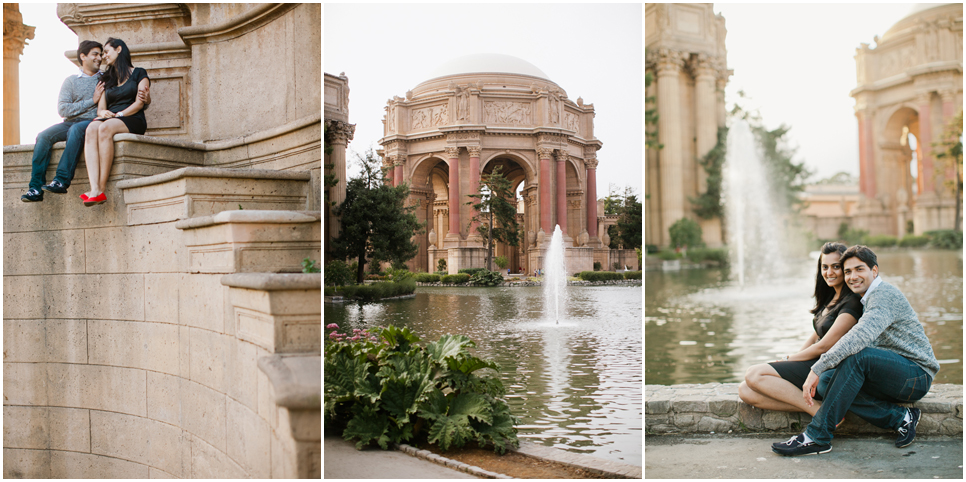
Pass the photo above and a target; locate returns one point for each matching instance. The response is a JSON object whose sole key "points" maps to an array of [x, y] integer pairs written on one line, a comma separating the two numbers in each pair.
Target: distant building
{"points": [[829, 204], [686, 53]]}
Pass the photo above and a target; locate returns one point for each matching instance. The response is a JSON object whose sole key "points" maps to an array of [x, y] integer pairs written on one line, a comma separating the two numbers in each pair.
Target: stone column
{"points": [[15, 36], [949, 110], [474, 183], [397, 175], [453, 155], [561, 182], [669, 133], [591, 164], [706, 116], [924, 101], [339, 134], [546, 218]]}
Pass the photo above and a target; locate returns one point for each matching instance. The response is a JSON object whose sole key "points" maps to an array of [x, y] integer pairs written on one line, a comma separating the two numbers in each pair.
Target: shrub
{"points": [[668, 255], [337, 273], [599, 275], [426, 277], [399, 274], [309, 266], [913, 241], [881, 240], [487, 278], [380, 386], [650, 248], [330, 291], [378, 291], [501, 261], [708, 254], [441, 265], [597, 266], [471, 271], [850, 236], [946, 239], [632, 274], [459, 279], [375, 277], [686, 232]]}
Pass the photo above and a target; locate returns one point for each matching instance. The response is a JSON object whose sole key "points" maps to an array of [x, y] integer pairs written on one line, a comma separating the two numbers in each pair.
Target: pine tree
{"points": [[493, 205]]}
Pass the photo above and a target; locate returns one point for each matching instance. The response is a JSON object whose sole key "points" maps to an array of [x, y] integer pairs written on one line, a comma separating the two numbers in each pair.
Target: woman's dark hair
{"points": [[823, 292], [85, 48], [120, 70]]}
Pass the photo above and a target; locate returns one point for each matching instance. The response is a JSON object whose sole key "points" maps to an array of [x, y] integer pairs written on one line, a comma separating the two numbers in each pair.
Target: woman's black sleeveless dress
{"points": [[797, 371], [121, 97]]}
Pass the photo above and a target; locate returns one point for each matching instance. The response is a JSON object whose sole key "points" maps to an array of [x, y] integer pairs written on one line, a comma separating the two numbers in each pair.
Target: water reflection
{"points": [[576, 386], [701, 328]]}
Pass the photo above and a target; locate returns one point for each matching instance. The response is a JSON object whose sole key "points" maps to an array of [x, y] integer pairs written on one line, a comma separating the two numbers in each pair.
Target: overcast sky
{"points": [[796, 62], [590, 51]]}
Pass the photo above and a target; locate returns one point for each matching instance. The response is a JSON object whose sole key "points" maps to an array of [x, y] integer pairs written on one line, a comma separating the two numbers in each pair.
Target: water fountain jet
{"points": [[554, 275]]}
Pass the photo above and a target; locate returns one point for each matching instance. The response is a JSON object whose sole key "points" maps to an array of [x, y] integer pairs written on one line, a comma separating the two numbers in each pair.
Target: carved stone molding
{"points": [[561, 156], [948, 95], [704, 65], [545, 152], [924, 98], [551, 140], [463, 136], [452, 152], [574, 203], [474, 150], [437, 115], [513, 113], [572, 121], [669, 61], [15, 33], [591, 163], [236, 26], [338, 132]]}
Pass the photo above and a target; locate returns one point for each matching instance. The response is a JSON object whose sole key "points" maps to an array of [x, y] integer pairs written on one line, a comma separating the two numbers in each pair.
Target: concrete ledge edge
{"points": [[274, 281], [609, 468], [217, 172], [445, 462], [250, 216]]}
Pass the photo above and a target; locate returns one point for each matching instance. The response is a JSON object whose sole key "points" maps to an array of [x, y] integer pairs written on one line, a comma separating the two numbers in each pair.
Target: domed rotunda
{"points": [[478, 112]]}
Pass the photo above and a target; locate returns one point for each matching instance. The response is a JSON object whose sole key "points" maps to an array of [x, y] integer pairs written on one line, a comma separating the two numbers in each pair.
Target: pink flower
{"points": [[354, 338], [333, 335], [331, 325]]}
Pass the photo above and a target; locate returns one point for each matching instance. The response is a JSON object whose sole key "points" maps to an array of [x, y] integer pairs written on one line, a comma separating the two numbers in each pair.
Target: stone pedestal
{"points": [[465, 257]]}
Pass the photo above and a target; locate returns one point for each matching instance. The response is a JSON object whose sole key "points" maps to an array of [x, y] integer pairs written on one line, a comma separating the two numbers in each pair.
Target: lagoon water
{"points": [[701, 327], [576, 386]]}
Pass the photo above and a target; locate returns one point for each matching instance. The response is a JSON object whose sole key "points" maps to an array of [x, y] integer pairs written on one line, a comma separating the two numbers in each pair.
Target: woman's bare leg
{"points": [[91, 158], [775, 392], [105, 144]]}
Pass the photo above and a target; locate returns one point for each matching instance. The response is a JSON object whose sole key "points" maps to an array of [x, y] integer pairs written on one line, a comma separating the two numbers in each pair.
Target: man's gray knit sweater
{"points": [[888, 322], [76, 99]]}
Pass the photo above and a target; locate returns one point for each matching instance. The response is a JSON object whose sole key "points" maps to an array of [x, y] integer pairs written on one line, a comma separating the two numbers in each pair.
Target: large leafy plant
{"points": [[387, 388]]}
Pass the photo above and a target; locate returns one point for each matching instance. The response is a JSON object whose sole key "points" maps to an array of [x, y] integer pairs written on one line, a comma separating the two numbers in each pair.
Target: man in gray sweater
{"points": [[884, 360], [77, 104]]}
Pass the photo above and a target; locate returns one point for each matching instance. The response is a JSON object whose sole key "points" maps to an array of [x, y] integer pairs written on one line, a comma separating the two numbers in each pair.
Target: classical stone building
{"points": [[486, 110], [910, 83], [686, 53], [171, 332], [828, 205], [338, 133], [15, 36]]}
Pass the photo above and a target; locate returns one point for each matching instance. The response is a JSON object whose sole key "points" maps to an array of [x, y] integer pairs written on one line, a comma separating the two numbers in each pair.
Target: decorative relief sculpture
{"points": [[391, 118], [474, 150], [339, 132], [462, 108], [430, 116], [452, 152], [572, 122], [545, 152], [669, 60], [463, 136], [554, 107], [591, 163], [574, 204], [517, 113]]}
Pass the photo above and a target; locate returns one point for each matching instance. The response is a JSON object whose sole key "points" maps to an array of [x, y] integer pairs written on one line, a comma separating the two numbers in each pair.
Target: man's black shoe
{"points": [[55, 187], [797, 446], [32, 196], [907, 431]]}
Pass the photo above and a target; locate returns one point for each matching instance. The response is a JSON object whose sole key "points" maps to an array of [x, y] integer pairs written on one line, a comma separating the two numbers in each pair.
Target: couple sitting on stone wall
{"points": [[107, 97], [867, 354]]}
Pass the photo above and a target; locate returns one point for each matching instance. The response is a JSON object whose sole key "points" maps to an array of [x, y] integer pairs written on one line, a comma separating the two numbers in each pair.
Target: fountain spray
{"points": [[555, 274]]}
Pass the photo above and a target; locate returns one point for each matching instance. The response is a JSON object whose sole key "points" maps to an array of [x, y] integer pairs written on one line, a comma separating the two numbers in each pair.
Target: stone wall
{"points": [[715, 407]]}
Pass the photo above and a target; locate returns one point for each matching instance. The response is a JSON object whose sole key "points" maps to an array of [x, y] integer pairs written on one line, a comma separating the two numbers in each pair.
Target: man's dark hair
{"points": [[85, 48], [863, 253]]}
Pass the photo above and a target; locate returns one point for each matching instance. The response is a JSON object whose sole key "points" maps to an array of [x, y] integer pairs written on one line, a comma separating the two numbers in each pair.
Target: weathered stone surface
{"points": [[723, 408], [952, 426], [154, 473], [108, 388], [156, 248], [103, 297], [203, 411], [253, 453], [934, 406], [70, 429], [25, 384], [201, 302], [67, 341], [242, 377], [23, 297], [72, 465], [137, 439], [25, 427], [775, 420], [685, 420], [43, 252], [161, 297], [24, 341], [750, 416], [208, 354], [164, 398], [26, 464], [689, 405], [207, 462], [266, 400], [151, 346], [657, 406], [711, 424]]}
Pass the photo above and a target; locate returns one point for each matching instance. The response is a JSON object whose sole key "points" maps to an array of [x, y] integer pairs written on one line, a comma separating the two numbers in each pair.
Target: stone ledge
{"points": [[715, 407], [259, 216], [297, 380], [215, 172], [273, 281]]}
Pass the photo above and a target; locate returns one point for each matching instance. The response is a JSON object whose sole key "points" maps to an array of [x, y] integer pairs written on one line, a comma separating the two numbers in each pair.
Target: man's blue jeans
{"points": [[73, 133], [868, 384]]}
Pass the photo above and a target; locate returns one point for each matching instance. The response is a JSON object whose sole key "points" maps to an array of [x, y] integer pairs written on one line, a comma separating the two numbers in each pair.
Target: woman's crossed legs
{"points": [[766, 389]]}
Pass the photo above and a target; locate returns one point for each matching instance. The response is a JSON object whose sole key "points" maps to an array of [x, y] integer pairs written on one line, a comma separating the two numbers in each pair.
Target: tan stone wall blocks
{"points": [[278, 321], [108, 388], [242, 368], [26, 464], [207, 462], [203, 410], [201, 302], [25, 384], [296, 150], [43, 252], [58, 212], [67, 341], [155, 248], [25, 341], [72, 465], [70, 429], [63, 341], [97, 296], [161, 292], [254, 451], [208, 355], [25, 427], [164, 398], [266, 401], [135, 344], [22, 297], [137, 439]]}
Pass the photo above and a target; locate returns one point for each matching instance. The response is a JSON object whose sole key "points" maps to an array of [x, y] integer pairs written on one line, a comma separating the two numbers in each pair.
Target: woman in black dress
{"points": [[118, 111], [778, 385]]}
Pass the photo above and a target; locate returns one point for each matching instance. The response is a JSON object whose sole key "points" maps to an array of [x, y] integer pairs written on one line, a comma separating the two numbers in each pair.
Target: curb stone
{"points": [[589, 463]]}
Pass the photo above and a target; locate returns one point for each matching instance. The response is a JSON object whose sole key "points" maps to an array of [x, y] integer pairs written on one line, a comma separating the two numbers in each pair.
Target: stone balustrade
{"points": [[715, 407]]}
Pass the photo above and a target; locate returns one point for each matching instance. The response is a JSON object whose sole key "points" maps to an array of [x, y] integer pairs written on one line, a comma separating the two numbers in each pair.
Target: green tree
{"points": [[686, 233], [950, 153], [493, 205], [330, 179], [650, 114], [707, 205], [376, 224], [630, 224]]}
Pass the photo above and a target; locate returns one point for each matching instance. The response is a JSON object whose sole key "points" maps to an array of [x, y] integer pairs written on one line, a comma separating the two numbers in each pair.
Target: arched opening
{"points": [[429, 189], [515, 171], [898, 168]]}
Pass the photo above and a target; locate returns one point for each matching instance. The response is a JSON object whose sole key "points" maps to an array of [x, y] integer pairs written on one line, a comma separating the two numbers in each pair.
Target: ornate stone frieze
{"points": [[474, 150], [668, 60], [391, 117], [463, 136], [947, 95], [437, 115], [561, 156], [703, 64], [338, 132], [591, 162], [514, 113], [572, 121], [462, 103], [574, 203], [15, 33], [551, 140], [545, 152], [554, 106], [452, 152], [897, 60]]}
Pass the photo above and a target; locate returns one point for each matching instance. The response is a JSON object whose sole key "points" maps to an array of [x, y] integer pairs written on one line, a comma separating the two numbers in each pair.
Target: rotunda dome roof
{"points": [[920, 10], [487, 63]]}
